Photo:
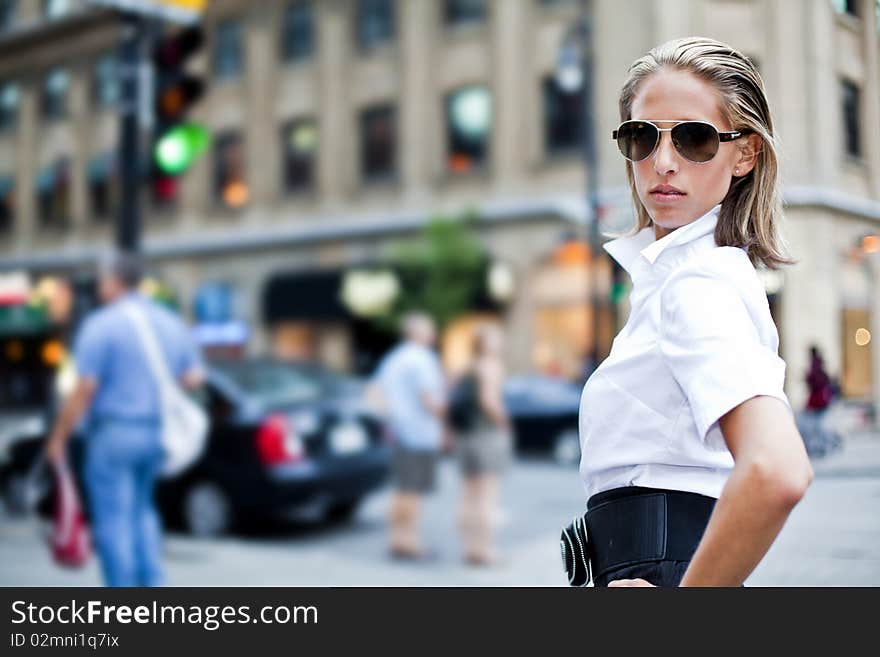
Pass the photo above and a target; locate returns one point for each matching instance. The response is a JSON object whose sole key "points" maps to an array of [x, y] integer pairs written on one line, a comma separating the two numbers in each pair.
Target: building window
{"points": [[7, 203], [230, 186], [8, 9], [10, 98], [228, 53], [56, 8], [468, 127], [53, 194], [106, 85], [851, 119], [375, 23], [297, 32], [850, 7], [103, 187], [378, 144], [461, 12], [299, 140], [55, 89], [563, 117]]}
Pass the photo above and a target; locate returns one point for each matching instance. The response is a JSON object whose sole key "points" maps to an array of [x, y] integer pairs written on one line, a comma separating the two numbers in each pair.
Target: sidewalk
{"points": [[860, 457], [832, 538]]}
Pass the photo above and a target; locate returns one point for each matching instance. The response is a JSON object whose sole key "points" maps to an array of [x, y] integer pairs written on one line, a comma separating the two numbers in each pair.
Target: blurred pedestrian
{"points": [[483, 444], [412, 388], [118, 398], [691, 459], [818, 438], [819, 383]]}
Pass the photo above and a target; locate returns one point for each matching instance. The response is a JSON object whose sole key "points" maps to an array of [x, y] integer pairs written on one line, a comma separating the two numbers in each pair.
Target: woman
{"points": [[691, 459], [820, 384], [484, 447]]}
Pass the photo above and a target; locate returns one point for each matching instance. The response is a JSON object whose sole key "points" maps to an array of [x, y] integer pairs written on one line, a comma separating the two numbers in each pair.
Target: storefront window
{"points": [[297, 34], [53, 194], [103, 180], [228, 50], [375, 23], [299, 147], [378, 144], [468, 129], [7, 203], [230, 187]]}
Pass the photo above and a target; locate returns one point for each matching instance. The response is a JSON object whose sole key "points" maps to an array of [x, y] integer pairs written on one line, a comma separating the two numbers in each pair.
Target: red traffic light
{"points": [[172, 50], [164, 188]]}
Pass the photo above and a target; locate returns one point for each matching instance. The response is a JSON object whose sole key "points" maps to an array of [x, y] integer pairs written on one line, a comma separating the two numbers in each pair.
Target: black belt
{"points": [[633, 525]]}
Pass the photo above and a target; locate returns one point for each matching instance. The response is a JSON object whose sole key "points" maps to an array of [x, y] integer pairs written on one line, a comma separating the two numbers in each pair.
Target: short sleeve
{"points": [[90, 351], [188, 358], [711, 343], [428, 377]]}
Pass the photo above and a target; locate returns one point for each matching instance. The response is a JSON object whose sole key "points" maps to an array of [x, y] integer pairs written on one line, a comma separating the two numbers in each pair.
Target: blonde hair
{"points": [[752, 210]]}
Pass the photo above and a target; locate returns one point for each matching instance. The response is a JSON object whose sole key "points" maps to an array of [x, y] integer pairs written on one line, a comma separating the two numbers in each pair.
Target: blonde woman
{"points": [[691, 460], [483, 447]]}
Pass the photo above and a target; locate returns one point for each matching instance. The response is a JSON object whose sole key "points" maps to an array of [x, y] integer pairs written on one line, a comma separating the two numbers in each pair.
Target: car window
{"points": [[273, 384]]}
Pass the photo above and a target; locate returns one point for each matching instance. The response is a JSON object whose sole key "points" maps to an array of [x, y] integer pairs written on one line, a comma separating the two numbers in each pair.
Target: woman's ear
{"points": [[748, 154]]}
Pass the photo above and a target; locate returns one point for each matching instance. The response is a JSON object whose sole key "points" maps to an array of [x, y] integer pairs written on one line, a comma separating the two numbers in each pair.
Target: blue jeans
{"points": [[122, 462]]}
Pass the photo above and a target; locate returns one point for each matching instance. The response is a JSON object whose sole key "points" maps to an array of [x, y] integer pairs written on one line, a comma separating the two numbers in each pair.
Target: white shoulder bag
{"points": [[184, 423]]}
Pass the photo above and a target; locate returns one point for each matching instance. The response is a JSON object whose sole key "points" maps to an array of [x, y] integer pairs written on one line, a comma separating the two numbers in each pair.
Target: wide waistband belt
{"points": [[633, 525]]}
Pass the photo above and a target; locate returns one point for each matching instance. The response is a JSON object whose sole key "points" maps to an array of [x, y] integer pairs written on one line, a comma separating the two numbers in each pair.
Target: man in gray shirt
{"points": [[410, 381]]}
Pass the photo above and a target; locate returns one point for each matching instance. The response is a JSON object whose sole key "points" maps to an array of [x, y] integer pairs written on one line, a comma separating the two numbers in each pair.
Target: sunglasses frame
{"points": [[722, 137]]}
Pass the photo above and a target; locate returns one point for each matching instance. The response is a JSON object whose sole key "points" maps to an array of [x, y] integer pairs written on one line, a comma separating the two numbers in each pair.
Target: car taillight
{"points": [[277, 442]]}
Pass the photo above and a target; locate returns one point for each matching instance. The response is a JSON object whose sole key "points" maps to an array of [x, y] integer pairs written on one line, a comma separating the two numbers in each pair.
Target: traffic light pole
{"points": [[131, 58], [591, 161]]}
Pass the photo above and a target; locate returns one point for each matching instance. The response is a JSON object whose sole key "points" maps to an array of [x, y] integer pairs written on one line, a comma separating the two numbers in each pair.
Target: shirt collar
{"points": [[626, 250]]}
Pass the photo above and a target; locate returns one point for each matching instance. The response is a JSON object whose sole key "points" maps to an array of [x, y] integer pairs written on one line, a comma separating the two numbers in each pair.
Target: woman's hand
{"points": [[629, 582]]}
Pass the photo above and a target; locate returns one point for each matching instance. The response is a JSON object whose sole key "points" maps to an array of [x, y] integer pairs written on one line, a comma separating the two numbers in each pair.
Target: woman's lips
{"points": [[667, 195]]}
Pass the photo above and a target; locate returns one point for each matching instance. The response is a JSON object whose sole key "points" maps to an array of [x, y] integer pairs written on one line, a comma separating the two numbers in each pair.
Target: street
{"points": [[831, 539]]}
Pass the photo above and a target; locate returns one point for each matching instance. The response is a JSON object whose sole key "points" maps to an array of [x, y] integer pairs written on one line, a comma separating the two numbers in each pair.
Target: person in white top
{"points": [[691, 460]]}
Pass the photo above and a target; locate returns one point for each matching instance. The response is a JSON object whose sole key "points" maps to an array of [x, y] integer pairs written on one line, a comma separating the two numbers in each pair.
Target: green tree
{"points": [[440, 270]]}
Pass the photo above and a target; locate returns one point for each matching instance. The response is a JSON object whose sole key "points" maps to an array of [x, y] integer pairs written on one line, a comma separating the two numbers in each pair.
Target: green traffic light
{"points": [[179, 147]]}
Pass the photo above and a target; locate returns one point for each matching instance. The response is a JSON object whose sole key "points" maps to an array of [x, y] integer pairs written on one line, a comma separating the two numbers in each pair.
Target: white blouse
{"points": [[698, 342]]}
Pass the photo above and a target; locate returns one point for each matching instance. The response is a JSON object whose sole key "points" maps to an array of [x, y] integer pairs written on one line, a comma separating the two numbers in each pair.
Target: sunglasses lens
{"points": [[636, 140], [698, 142]]}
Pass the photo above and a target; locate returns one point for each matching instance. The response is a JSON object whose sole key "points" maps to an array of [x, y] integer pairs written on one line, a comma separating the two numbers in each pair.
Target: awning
{"points": [[304, 295]]}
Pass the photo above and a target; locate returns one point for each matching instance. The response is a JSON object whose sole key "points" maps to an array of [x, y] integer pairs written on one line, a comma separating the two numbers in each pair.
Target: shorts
{"points": [[413, 469], [484, 453]]}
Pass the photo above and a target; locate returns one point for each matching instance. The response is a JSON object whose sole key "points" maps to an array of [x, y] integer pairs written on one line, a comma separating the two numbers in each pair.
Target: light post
{"points": [[574, 71]]}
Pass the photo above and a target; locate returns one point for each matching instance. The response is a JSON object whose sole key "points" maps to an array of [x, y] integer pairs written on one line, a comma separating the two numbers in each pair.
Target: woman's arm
{"points": [[770, 476], [490, 378]]}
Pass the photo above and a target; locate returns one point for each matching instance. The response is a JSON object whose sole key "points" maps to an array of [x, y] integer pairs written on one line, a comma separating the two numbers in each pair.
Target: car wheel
{"points": [[206, 510], [567, 447], [343, 512]]}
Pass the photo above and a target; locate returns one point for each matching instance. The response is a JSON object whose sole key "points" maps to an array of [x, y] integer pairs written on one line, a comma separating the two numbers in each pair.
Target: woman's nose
{"points": [[665, 157]]}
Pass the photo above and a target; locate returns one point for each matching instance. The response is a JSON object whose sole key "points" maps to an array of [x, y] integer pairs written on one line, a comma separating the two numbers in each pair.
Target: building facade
{"points": [[339, 126]]}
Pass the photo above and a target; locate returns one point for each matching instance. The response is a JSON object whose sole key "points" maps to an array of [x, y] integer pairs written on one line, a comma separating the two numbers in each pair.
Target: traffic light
{"points": [[177, 142]]}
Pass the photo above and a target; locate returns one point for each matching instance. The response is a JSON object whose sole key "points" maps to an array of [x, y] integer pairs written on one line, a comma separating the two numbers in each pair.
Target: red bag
{"points": [[68, 538]]}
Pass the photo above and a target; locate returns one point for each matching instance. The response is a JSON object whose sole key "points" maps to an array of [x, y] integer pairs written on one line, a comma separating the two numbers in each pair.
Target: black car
{"points": [[544, 413], [285, 439]]}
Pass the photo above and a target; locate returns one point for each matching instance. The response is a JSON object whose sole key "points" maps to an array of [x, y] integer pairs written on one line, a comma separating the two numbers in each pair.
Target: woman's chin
{"points": [[669, 219]]}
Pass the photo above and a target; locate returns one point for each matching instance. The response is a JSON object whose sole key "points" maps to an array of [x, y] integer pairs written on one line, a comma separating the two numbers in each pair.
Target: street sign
{"points": [[175, 11]]}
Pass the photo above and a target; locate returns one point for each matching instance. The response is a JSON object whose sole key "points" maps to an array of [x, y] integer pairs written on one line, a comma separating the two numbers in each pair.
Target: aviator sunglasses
{"points": [[695, 141]]}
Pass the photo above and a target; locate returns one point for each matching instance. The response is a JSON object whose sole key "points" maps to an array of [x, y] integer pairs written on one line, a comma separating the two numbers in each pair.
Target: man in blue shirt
{"points": [[118, 396], [410, 381]]}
